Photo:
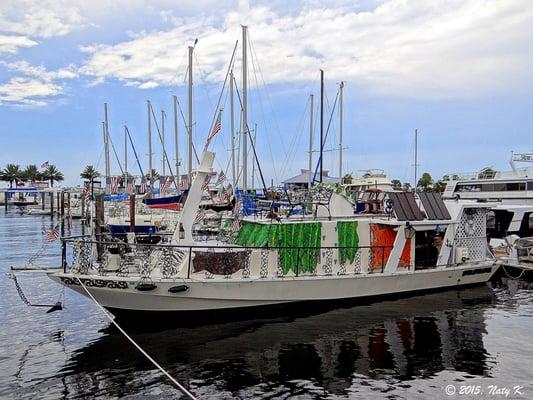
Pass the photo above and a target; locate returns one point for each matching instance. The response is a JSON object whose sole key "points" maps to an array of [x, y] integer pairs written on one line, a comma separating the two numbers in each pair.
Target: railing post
{"points": [[64, 255], [382, 258], [297, 260], [190, 260]]}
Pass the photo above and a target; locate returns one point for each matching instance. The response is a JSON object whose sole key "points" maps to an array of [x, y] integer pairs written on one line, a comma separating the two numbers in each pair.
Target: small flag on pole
{"points": [[144, 186], [131, 185], [53, 234], [200, 216], [205, 185], [115, 180], [45, 164], [221, 178], [86, 194], [165, 184], [216, 129]]}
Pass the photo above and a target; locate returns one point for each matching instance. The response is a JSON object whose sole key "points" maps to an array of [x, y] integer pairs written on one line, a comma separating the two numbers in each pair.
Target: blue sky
{"points": [[459, 71]]}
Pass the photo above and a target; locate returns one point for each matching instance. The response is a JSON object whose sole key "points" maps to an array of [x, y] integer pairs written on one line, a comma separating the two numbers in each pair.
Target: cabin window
{"points": [[513, 186], [427, 249], [468, 188], [487, 187], [499, 187], [530, 186]]}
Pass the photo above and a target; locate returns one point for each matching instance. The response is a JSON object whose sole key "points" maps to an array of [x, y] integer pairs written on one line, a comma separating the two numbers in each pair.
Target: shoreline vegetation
{"points": [[12, 173]]}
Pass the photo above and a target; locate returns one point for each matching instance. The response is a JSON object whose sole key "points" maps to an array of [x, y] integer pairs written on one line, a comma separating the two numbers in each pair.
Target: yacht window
{"points": [[522, 186], [491, 220], [468, 188], [487, 187], [499, 187], [530, 186], [512, 186]]}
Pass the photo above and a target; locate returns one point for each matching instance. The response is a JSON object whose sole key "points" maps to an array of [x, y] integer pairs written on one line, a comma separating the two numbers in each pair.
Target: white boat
{"points": [[331, 255]]}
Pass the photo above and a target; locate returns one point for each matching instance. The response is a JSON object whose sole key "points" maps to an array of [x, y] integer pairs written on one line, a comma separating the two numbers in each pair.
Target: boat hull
{"points": [[120, 293]]}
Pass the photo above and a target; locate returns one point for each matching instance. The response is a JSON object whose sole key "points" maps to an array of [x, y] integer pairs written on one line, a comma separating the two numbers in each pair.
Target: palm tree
{"points": [[154, 173], [396, 184], [90, 173], [53, 174], [11, 173], [31, 173]]}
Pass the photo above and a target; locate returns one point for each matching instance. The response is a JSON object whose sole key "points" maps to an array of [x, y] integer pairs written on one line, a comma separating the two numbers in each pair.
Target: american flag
{"points": [[216, 129], [144, 186], [165, 184], [236, 224], [221, 178], [131, 185], [45, 164], [53, 234], [224, 196], [200, 216], [184, 183], [205, 185], [115, 180], [86, 194]]}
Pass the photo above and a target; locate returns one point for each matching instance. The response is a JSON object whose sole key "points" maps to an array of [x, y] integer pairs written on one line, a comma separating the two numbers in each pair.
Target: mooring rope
{"points": [[513, 277], [178, 385]]}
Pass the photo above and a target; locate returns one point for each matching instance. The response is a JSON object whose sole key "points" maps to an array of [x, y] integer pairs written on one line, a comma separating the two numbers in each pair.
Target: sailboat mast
{"points": [[176, 145], [341, 91], [244, 109], [232, 129], [163, 141], [416, 158], [309, 173], [321, 124], [106, 144], [125, 157], [189, 160], [150, 168]]}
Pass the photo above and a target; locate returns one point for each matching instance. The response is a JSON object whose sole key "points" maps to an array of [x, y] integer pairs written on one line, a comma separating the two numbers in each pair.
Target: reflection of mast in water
{"points": [[403, 339]]}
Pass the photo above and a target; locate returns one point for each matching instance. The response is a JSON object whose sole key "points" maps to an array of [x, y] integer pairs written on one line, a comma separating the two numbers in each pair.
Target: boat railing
{"points": [[90, 256]]}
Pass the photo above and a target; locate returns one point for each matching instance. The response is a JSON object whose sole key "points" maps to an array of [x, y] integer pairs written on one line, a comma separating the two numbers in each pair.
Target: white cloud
{"points": [[27, 91], [37, 85], [11, 43], [45, 18], [410, 48]]}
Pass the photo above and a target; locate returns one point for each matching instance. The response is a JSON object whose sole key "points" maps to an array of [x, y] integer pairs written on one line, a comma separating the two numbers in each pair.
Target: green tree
{"points": [[52, 174], [439, 186], [90, 173], [396, 184], [425, 183], [406, 186], [11, 173], [31, 173]]}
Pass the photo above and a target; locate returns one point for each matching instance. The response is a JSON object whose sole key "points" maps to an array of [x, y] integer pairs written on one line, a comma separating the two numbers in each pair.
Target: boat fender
{"points": [[144, 287], [178, 289]]}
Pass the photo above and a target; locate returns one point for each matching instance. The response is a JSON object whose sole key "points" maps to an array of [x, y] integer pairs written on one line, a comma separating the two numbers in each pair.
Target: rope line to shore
{"points": [[178, 385]]}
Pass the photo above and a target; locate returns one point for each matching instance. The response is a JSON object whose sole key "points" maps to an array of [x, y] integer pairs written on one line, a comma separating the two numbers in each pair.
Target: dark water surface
{"points": [[478, 339]]}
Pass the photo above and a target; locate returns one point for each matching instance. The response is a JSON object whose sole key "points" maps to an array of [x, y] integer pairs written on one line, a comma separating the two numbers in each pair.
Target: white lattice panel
{"points": [[471, 233]]}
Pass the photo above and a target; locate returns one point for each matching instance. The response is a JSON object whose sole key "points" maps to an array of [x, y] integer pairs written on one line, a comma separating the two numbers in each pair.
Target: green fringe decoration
{"points": [[299, 243], [348, 241]]}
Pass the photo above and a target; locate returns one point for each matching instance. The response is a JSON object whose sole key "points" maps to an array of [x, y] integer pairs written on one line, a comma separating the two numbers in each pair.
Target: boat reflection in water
{"points": [[400, 340]]}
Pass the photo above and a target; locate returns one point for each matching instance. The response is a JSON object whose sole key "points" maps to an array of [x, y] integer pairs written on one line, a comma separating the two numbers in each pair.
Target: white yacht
{"points": [[511, 190], [333, 253]]}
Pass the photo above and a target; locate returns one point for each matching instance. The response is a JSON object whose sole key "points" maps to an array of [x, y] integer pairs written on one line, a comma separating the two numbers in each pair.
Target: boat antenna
{"points": [[321, 123]]}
